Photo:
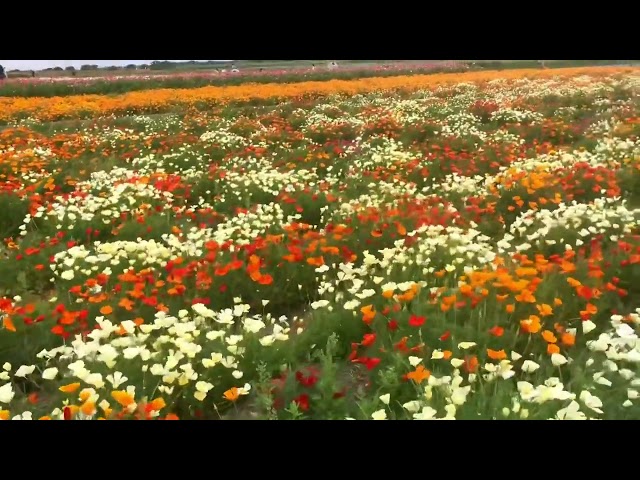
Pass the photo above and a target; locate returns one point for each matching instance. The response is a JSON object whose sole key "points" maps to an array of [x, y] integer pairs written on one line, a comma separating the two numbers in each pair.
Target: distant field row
{"points": [[168, 100], [118, 83], [101, 82]]}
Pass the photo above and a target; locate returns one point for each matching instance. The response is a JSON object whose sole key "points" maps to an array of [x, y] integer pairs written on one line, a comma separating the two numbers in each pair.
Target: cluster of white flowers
{"points": [[612, 354], [109, 258], [134, 198], [576, 223], [223, 137], [436, 248], [459, 184], [511, 115], [179, 352], [243, 228]]}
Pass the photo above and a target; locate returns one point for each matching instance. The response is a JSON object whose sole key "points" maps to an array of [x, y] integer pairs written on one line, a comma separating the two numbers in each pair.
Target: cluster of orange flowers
{"points": [[151, 101]]}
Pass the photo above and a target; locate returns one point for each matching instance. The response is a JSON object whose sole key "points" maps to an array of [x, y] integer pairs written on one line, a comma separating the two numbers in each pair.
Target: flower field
{"points": [[133, 81], [447, 246]]}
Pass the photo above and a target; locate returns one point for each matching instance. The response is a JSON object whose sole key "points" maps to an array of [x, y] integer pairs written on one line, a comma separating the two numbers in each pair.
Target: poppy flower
{"points": [[302, 401], [419, 374], [553, 348], [70, 388], [416, 321], [497, 331], [123, 397], [496, 354], [7, 323], [368, 339], [549, 337], [232, 394], [471, 364], [567, 339], [308, 380], [371, 363]]}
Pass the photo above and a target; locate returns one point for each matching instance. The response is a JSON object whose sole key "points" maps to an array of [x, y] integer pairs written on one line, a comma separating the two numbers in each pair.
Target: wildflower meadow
{"points": [[408, 247]]}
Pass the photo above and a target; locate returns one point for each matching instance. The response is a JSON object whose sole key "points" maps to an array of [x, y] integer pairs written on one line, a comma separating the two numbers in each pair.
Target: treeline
{"points": [[513, 64]]}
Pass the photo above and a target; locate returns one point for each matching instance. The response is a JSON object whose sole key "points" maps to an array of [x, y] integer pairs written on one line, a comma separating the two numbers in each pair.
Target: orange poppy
{"points": [[368, 313], [419, 374], [568, 339], [471, 364], [316, 261], [496, 354], [544, 310], [88, 408], [553, 348], [232, 394], [70, 388], [126, 304], [158, 404], [7, 323], [122, 397], [549, 337], [531, 325]]}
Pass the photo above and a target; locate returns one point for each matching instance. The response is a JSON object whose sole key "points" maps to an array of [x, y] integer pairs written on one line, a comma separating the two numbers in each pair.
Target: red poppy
{"points": [[368, 339], [204, 301], [497, 331], [308, 380], [302, 401], [585, 292], [416, 321], [341, 394], [392, 325], [353, 355], [370, 363], [402, 345]]}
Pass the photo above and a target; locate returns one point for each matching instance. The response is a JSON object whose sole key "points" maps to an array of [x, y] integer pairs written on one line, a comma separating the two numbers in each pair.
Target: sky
{"points": [[42, 64]]}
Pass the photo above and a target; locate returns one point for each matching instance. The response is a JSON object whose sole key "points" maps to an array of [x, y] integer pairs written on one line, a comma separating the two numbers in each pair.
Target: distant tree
{"points": [[70, 68], [57, 69], [163, 65], [131, 66]]}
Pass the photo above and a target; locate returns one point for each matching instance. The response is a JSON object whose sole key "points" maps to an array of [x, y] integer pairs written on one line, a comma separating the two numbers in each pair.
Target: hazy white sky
{"points": [[41, 64]]}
